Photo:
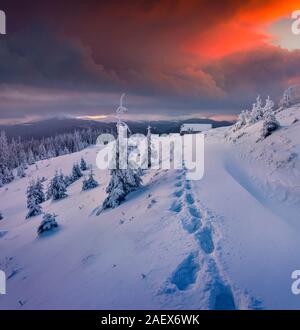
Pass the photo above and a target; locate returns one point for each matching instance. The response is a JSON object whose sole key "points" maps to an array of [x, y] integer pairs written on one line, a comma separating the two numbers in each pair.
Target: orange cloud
{"points": [[244, 30]]}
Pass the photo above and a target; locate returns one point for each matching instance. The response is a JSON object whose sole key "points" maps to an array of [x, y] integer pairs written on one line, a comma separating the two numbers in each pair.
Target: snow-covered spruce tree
{"points": [[68, 180], [268, 108], [89, 183], [243, 119], [57, 187], [76, 172], [7, 175], [21, 171], [33, 204], [83, 165], [48, 194], [257, 111], [270, 124], [30, 157], [34, 208], [39, 191], [48, 223], [149, 142], [122, 182]]}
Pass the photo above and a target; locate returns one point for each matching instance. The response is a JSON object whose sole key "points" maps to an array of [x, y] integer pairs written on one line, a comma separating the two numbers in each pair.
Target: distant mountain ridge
{"points": [[50, 127]]}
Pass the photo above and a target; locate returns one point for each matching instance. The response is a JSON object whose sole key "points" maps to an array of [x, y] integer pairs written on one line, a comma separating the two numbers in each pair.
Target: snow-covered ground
{"points": [[228, 241]]}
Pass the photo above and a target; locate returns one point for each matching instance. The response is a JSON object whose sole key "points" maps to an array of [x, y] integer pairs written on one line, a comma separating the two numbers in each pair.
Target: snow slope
{"points": [[228, 241]]}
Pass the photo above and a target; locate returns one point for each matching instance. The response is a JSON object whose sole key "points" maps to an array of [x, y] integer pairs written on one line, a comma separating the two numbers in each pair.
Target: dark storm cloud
{"points": [[78, 56]]}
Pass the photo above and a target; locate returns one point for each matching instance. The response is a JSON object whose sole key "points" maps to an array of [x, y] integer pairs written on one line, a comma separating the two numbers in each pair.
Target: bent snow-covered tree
{"points": [[76, 172], [33, 204], [83, 165], [89, 183], [122, 182], [270, 124], [39, 191], [48, 223], [57, 188]]}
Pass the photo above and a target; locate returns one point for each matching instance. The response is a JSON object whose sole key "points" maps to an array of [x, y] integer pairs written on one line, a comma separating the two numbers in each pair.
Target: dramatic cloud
{"points": [[181, 57]]}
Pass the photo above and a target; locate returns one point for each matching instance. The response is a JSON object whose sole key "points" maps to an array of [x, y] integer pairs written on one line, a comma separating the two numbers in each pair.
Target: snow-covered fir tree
{"points": [[257, 111], [57, 188], [76, 172], [30, 157], [33, 203], [21, 171], [83, 165], [7, 175], [48, 223], [270, 124], [68, 180], [149, 142], [242, 120], [268, 108], [34, 208], [89, 183], [39, 191], [122, 182]]}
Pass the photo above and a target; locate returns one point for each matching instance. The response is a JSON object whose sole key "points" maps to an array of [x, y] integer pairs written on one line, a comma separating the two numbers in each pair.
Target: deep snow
{"points": [[228, 241]]}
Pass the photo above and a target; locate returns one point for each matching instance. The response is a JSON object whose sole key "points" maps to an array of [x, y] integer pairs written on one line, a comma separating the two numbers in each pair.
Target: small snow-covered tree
{"points": [[243, 119], [270, 124], [268, 108], [149, 144], [57, 189], [76, 172], [39, 191], [48, 223], [34, 208], [122, 182], [21, 172], [257, 111], [1, 216], [68, 180], [30, 157], [89, 183], [33, 204], [83, 165], [7, 175]]}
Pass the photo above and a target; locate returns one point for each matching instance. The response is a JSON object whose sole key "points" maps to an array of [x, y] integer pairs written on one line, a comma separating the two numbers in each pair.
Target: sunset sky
{"points": [[171, 58]]}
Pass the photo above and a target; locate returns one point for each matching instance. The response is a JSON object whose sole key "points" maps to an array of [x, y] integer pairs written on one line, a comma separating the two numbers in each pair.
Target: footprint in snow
{"points": [[205, 241], [191, 225], [222, 297], [189, 199], [194, 212], [186, 272], [176, 207], [178, 193]]}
